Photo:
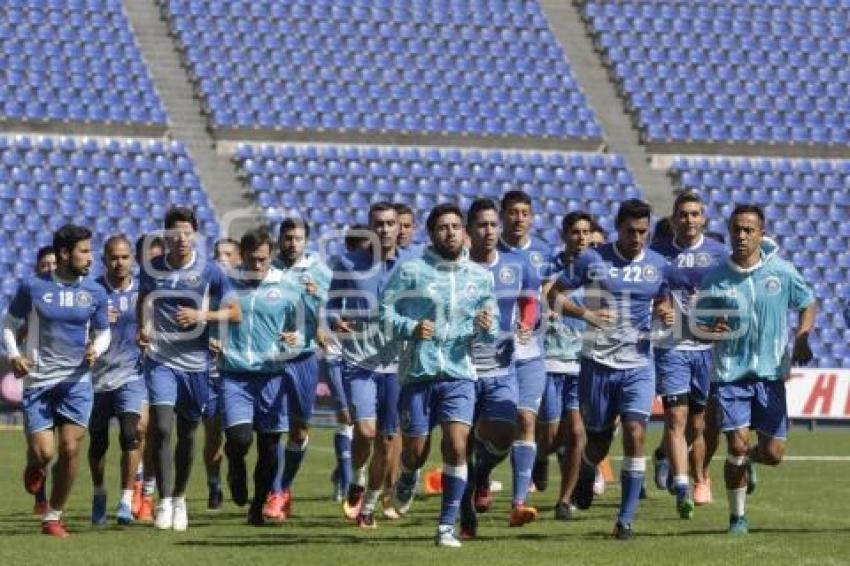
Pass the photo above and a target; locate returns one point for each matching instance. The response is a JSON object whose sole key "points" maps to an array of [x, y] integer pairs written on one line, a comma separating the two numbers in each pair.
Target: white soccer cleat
{"points": [[181, 515], [164, 515], [446, 537]]}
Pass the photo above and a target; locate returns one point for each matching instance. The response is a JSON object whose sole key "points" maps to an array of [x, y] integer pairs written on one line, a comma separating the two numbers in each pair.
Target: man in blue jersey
{"points": [[496, 388], [406, 225], [119, 387], [226, 254], [519, 247], [622, 283], [357, 237], [65, 314], [742, 306], [369, 364], [683, 363], [253, 356], [180, 295], [561, 428], [147, 247], [435, 308], [306, 271]]}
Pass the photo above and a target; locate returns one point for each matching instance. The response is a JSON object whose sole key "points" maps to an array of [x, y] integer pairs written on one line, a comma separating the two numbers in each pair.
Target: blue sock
{"points": [[277, 486], [681, 487], [453, 483], [631, 480], [292, 462], [487, 457], [214, 483], [523, 454], [342, 447]]}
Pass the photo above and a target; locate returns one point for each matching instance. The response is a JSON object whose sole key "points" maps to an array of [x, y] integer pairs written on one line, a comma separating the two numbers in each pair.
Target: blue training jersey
{"points": [[755, 303], [199, 285], [533, 256], [628, 288], [511, 280], [692, 265], [59, 318], [120, 363]]}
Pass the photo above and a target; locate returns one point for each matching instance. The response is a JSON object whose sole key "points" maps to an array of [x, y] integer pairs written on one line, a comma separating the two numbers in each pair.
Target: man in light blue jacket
{"points": [[742, 307], [257, 392], [434, 308]]}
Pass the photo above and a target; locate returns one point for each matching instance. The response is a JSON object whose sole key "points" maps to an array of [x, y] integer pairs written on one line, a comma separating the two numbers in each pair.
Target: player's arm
{"points": [[486, 325], [662, 304], [143, 338], [14, 320], [569, 281], [401, 326], [711, 322], [228, 311], [101, 335], [802, 298], [335, 304]]}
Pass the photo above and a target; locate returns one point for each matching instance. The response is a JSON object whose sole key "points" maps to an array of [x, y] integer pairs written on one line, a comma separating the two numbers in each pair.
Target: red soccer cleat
{"points": [[483, 499], [286, 504], [137, 498], [39, 508], [54, 529], [522, 514], [273, 507], [34, 479], [145, 510]]}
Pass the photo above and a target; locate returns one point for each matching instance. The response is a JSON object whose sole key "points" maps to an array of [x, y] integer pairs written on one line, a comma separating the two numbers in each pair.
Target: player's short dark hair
{"points": [[441, 210], [595, 226], [479, 205], [42, 252], [632, 209], [221, 242], [114, 239], [68, 236], [402, 208], [293, 223], [253, 239], [381, 206], [748, 209], [177, 214], [149, 240], [571, 218], [356, 235], [663, 231], [511, 198], [684, 198]]}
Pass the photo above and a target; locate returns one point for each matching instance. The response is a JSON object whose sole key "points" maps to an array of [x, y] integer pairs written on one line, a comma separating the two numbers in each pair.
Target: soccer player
{"points": [[438, 305], [60, 310], [406, 225], [180, 295], [622, 282], [45, 263], [496, 388], [357, 237], [45, 260], [742, 307], [306, 271], [119, 388], [683, 363], [148, 247], [253, 356], [562, 428], [226, 254], [519, 247], [369, 364]]}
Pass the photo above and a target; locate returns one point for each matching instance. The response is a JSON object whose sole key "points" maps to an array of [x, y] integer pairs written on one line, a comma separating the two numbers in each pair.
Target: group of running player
{"points": [[510, 346]]}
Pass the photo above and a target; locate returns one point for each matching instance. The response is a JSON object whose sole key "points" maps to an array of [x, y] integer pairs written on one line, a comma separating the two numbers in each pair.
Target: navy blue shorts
{"points": [[373, 396], [428, 404], [186, 391], [128, 398], [606, 392], [559, 398], [258, 400], [69, 400], [684, 371], [755, 404], [496, 398]]}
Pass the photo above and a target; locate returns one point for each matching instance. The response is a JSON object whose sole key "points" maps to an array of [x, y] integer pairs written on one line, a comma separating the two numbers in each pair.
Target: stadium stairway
{"points": [[186, 121], [620, 135]]}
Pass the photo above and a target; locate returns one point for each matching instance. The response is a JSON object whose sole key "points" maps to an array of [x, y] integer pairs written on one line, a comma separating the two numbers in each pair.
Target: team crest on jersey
{"points": [[536, 258], [703, 260], [193, 279], [47, 298], [273, 295], [772, 285], [472, 291], [650, 273], [507, 276], [84, 299], [304, 279]]}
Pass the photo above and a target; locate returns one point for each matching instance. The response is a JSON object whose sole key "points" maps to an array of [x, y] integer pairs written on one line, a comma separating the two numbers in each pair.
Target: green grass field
{"points": [[798, 516]]}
